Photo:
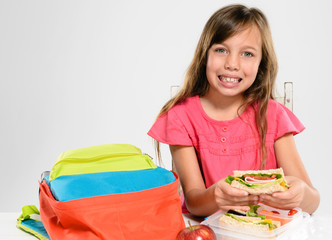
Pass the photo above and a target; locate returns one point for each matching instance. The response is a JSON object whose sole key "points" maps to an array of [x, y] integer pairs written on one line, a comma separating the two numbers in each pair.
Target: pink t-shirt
{"points": [[224, 146]]}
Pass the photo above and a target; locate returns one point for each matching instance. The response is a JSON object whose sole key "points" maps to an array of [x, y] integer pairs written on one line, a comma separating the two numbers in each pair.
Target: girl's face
{"points": [[233, 64]]}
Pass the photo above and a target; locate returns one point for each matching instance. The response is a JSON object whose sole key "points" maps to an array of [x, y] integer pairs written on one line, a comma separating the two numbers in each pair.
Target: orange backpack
{"points": [[80, 200]]}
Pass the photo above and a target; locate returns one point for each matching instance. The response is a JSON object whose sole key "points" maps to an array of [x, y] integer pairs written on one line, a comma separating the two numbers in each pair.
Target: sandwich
{"points": [[249, 220], [260, 181]]}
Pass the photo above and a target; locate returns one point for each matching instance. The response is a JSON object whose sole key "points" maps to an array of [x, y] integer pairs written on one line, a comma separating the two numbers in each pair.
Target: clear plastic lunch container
{"points": [[291, 225]]}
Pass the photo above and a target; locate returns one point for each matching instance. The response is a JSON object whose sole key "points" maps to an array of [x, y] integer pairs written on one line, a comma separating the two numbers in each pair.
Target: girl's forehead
{"points": [[246, 35]]}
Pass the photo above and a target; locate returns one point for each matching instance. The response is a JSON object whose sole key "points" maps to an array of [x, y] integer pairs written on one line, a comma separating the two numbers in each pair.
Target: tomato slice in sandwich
{"points": [[259, 179]]}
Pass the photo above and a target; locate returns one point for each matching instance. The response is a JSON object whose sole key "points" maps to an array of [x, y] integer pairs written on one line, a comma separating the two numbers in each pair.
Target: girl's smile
{"points": [[232, 65], [229, 81]]}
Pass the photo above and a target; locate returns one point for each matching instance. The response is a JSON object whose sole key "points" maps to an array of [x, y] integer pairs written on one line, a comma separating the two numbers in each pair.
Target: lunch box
{"points": [[291, 225]]}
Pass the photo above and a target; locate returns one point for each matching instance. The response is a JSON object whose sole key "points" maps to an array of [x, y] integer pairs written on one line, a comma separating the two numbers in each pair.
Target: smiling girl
{"points": [[224, 119]]}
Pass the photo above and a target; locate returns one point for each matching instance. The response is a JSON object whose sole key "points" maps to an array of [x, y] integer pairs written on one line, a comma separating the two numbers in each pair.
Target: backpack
{"points": [[110, 191]]}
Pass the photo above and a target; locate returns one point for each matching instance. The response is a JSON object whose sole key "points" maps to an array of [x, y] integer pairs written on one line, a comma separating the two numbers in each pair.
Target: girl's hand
{"points": [[228, 197], [289, 199]]}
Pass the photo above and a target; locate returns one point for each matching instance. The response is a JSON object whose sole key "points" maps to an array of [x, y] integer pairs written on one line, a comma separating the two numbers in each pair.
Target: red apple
{"points": [[196, 232]]}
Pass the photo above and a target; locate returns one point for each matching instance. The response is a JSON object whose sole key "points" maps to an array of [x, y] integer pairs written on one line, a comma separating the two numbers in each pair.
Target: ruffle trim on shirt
{"points": [[287, 122], [170, 130]]}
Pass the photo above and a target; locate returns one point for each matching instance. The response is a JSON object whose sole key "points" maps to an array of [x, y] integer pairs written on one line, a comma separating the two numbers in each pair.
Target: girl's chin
{"points": [[226, 93]]}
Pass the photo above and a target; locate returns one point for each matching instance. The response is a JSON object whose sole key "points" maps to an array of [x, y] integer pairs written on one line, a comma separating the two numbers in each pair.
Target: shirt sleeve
{"points": [[169, 129], [287, 122]]}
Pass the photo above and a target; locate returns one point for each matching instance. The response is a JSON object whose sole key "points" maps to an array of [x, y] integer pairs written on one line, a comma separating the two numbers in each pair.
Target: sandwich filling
{"points": [[258, 180], [249, 218], [253, 220]]}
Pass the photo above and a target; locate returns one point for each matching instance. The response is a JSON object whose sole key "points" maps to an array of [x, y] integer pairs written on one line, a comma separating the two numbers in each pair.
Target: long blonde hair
{"points": [[223, 24]]}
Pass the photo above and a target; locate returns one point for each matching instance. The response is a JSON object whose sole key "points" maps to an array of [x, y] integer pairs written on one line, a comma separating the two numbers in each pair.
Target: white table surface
{"points": [[320, 227]]}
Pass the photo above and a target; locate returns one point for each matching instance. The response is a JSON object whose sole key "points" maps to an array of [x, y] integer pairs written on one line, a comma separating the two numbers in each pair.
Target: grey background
{"points": [[81, 73]]}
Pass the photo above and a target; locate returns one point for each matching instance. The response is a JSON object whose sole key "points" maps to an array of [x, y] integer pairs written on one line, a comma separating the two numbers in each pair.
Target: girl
{"points": [[224, 119]]}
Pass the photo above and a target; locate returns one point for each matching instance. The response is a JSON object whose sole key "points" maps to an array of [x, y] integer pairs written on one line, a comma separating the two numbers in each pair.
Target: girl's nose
{"points": [[232, 62]]}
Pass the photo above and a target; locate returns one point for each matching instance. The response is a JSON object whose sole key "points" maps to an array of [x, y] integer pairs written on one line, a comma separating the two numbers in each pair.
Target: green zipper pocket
{"points": [[101, 158]]}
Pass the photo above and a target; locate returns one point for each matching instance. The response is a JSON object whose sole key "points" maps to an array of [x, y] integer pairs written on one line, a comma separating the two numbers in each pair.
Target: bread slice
{"points": [[238, 173], [251, 226], [260, 190]]}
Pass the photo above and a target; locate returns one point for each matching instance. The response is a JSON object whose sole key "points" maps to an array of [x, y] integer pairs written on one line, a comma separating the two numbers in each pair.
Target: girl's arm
{"points": [[202, 201], [301, 193]]}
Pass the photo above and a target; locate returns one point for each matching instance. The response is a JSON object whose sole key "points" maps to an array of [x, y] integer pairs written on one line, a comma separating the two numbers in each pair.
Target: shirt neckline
{"points": [[223, 122]]}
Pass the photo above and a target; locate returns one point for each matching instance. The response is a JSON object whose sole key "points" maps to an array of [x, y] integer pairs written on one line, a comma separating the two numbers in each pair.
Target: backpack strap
{"points": [[29, 221]]}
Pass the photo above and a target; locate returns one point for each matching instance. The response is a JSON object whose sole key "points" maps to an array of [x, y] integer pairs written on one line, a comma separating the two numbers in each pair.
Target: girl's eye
{"points": [[221, 50], [247, 54]]}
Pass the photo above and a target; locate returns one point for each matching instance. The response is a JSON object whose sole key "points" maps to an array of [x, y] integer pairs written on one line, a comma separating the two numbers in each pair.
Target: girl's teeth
{"points": [[227, 79]]}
